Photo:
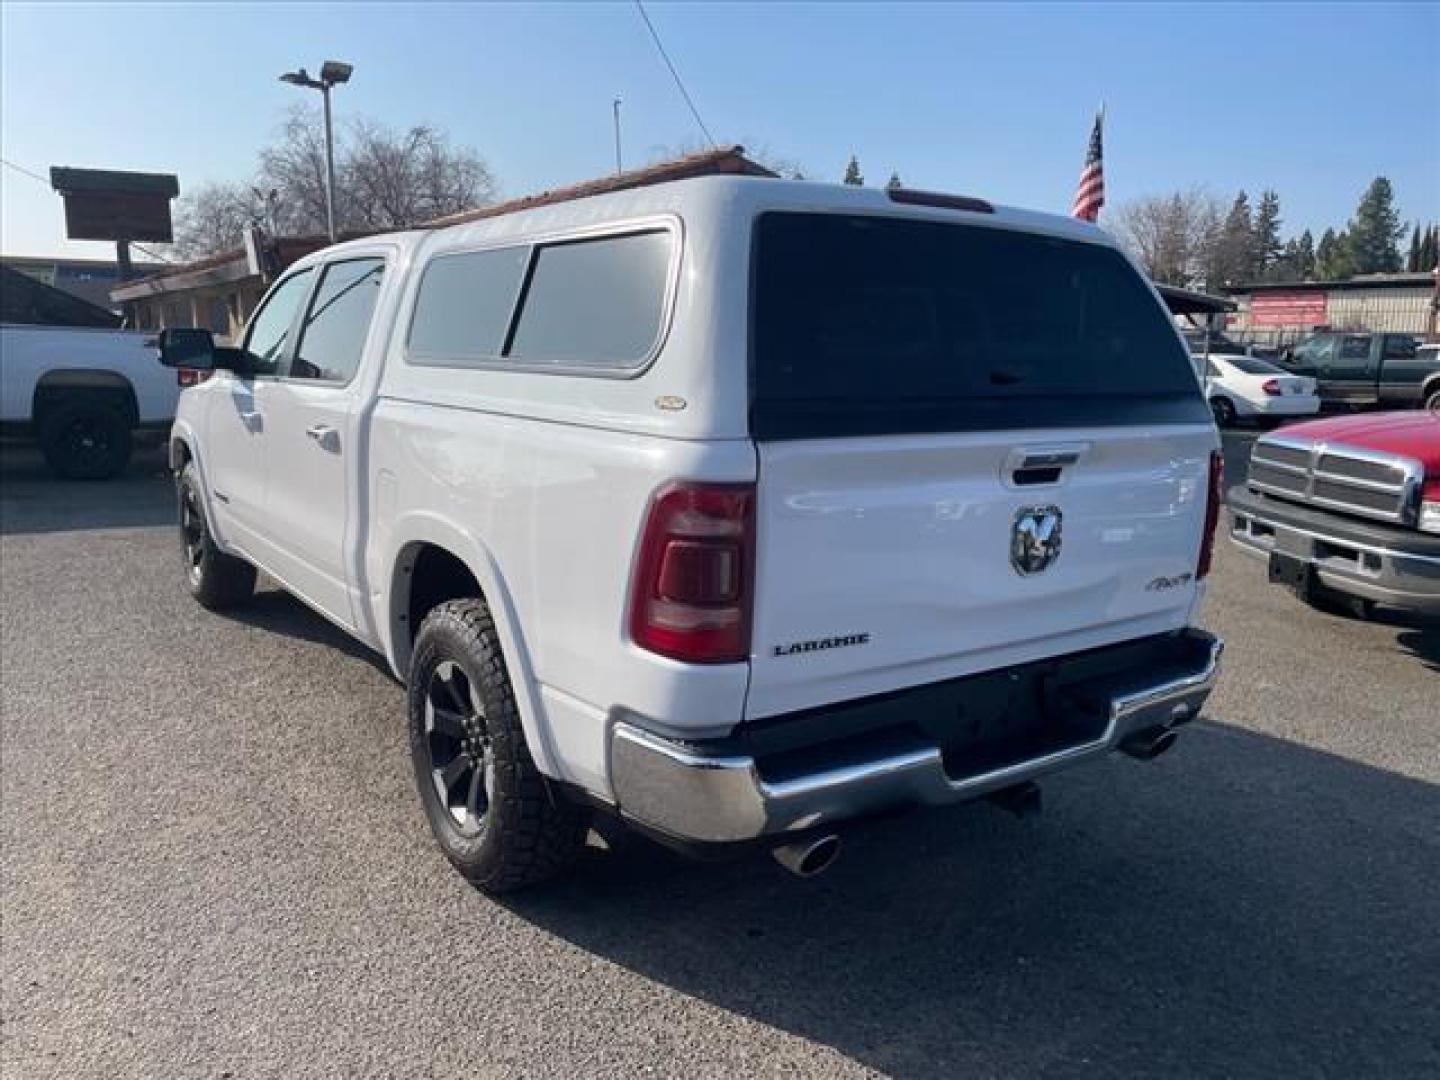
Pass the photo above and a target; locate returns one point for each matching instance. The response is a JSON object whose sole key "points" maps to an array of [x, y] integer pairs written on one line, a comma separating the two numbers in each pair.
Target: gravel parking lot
{"points": [[214, 866]]}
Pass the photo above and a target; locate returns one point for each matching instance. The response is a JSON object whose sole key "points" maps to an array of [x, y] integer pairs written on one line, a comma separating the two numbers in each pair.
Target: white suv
{"points": [[732, 507]]}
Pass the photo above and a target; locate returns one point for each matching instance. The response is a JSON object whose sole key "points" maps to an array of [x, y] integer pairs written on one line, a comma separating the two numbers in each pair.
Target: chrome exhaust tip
{"points": [[1022, 800], [809, 857], [1148, 745]]}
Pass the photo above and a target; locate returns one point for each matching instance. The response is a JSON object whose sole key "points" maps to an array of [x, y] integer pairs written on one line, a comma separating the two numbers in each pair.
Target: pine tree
{"points": [[1265, 237], [1331, 257], [1427, 252], [893, 182], [1284, 268], [1412, 261], [1305, 257], [1232, 260], [1374, 230], [852, 173]]}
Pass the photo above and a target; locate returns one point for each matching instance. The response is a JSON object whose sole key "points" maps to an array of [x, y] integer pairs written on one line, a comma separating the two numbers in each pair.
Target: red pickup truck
{"points": [[1348, 509]]}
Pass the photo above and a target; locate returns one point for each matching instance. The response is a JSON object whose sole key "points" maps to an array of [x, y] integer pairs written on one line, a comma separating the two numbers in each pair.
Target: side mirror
{"points": [[186, 347]]}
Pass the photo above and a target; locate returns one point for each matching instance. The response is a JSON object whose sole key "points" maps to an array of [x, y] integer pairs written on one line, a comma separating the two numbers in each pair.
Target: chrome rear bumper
{"points": [[673, 790], [1388, 564]]}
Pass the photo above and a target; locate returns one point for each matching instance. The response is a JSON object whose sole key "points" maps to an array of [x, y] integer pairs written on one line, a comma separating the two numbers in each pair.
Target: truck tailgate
{"points": [[887, 562]]}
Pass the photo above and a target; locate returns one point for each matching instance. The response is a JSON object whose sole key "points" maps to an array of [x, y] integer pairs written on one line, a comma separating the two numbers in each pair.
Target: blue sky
{"points": [[1311, 99]]}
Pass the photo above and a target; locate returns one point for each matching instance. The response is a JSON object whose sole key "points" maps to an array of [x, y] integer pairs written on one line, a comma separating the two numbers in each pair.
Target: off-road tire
{"points": [[217, 580], [528, 832], [85, 439]]}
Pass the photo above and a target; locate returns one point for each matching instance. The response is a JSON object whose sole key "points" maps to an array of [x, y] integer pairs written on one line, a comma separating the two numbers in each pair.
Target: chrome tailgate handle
{"points": [[1026, 466]]}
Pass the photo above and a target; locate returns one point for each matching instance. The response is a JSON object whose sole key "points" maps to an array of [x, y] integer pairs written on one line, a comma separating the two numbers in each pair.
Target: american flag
{"points": [[1090, 194]]}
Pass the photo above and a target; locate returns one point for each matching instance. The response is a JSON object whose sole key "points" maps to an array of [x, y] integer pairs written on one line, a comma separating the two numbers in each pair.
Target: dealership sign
{"points": [[101, 204], [1288, 307]]}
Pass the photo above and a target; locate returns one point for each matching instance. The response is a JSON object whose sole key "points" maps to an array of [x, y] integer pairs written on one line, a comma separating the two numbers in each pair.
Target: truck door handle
{"points": [[326, 436], [253, 421]]}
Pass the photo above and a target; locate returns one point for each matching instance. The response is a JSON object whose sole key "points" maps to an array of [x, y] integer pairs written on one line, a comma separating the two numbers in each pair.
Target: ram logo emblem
{"points": [[1035, 539]]}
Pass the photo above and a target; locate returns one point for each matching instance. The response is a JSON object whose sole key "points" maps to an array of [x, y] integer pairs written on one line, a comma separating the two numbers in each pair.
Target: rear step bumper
{"points": [[679, 791]]}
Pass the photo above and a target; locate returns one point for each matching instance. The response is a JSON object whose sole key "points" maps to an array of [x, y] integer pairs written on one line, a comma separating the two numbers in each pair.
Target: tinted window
{"points": [[270, 329], [1399, 347], [1218, 343], [1317, 352], [595, 303], [464, 306], [332, 337], [1251, 366], [1355, 348], [866, 325]]}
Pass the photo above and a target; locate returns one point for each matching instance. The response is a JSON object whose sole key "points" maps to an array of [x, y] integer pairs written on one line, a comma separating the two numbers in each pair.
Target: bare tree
{"points": [[293, 166], [393, 180], [1173, 236], [215, 217], [383, 180]]}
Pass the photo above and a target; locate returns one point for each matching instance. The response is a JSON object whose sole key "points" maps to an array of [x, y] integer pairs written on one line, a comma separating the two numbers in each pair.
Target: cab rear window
{"points": [[872, 325]]}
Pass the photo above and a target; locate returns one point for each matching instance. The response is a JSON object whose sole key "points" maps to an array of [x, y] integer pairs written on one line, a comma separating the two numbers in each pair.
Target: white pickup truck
{"points": [[730, 507], [83, 395]]}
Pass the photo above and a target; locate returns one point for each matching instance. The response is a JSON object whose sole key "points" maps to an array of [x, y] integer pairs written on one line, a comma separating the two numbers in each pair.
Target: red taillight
{"points": [[1271, 387], [691, 597], [1212, 512], [190, 377]]}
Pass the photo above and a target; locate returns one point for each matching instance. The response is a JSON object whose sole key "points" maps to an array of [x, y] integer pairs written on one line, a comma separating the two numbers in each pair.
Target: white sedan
{"points": [[1246, 387]]}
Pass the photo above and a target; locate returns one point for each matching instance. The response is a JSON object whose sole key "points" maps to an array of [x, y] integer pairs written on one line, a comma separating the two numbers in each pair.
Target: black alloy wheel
{"points": [[85, 440], [459, 748], [192, 532], [217, 580]]}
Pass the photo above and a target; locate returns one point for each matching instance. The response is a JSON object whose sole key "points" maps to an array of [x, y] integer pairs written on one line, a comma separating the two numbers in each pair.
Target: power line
{"points": [[152, 254], [678, 81], [27, 172], [37, 176]]}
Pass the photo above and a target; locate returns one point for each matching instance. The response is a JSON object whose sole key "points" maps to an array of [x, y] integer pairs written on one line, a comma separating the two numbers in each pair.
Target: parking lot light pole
{"points": [[332, 73]]}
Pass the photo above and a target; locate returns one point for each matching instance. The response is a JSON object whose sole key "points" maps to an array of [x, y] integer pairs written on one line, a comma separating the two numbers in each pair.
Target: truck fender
{"points": [[185, 443], [424, 527], [58, 385], [1430, 387]]}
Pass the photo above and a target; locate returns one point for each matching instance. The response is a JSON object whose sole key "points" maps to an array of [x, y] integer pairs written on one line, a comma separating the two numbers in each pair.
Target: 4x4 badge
{"points": [[1035, 538]]}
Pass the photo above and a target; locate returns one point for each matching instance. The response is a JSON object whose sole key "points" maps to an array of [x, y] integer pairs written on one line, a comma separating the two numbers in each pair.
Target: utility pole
{"points": [[615, 105], [329, 166]]}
